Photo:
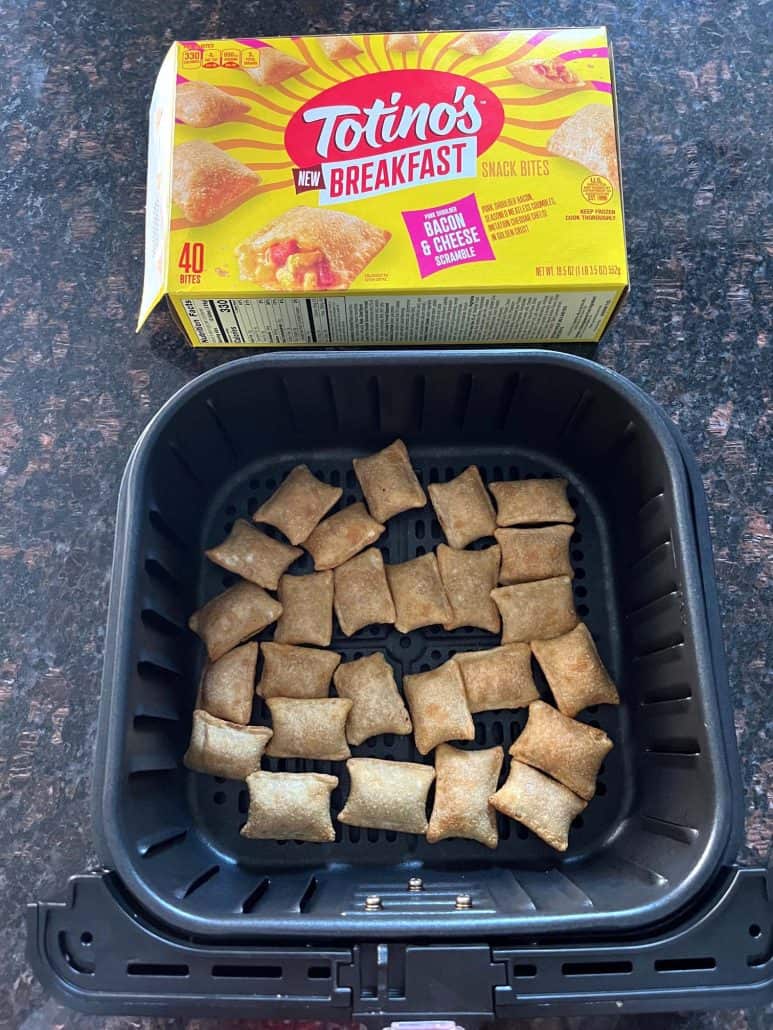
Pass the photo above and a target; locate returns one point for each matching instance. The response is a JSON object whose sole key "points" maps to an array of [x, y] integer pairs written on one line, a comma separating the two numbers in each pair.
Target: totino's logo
{"points": [[393, 130]]}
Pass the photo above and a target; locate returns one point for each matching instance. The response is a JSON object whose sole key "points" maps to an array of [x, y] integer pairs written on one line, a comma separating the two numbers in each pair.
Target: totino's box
{"points": [[448, 187]]}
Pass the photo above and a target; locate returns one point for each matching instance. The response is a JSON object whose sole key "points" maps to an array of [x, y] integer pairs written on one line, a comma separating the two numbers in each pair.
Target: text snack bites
{"points": [[439, 187]]}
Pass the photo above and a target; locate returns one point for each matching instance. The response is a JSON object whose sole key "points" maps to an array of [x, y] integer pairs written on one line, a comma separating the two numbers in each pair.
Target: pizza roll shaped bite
{"points": [[309, 729], [341, 536], [361, 594], [548, 73], [298, 505], [574, 671], [228, 685], [223, 748], [307, 609], [377, 707], [301, 672], [233, 617], [402, 42], [532, 554], [465, 782], [389, 482], [290, 806], [201, 105], [523, 502], [468, 579], [275, 66], [338, 48], [438, 706], [499, 678], [587, 137], [207, 183], [387, 795], [253, 555], [473, 44], [418, 594], [569, 751], [547, 808], [536, 611], [463, 508]]}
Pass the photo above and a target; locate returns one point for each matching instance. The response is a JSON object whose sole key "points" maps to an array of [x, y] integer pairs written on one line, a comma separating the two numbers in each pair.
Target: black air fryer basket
{"points": [[644, 907]]}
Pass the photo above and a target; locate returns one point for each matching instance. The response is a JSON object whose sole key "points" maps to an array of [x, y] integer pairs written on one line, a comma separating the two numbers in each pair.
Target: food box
{"points": [[392, 188]]}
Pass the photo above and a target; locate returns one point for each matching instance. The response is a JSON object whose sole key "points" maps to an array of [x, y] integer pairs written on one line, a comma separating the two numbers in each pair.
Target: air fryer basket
{"points": [[661, 825]]}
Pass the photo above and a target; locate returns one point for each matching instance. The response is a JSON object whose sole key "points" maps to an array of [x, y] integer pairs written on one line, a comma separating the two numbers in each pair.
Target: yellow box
{"points": [[435, 187]]}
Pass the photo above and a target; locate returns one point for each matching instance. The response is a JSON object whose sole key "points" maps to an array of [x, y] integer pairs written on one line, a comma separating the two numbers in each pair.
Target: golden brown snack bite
{"points": [[402, 42], [307, 609], [438, 706], [547, 808], [228, 685], [298, 505], [207, 183], [532, 554], [547, 73], [567, 750], [361, 595], [498, 678], [523, 502], [309, 728], [290, 806], [465, 780], [253, 555], [588, 138], [535, 611], [473, 44], [223, 748], [339, 48], [275, 66], [388, 482], [387, 795], [201, 105], [574, 671], [418, 594], [233, 617], [468, 579], [463, 508], [341, 536], [377, 707], [290, 671]]}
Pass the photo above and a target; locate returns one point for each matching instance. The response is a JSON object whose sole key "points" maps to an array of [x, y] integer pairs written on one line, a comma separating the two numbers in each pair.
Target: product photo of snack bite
{"points": [[207, 183], [402, 42], [549, 73], [275, 66], [202, 105], [588, 138], [473, 44], [339, 48]]}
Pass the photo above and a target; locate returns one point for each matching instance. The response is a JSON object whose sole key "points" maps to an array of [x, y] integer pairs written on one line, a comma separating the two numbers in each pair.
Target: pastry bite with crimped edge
{"points": [[532, 554], [307, 609], [290, 806], [523, 502], [339, 537], [234, 616], [418, 594], [536, 611], [438, 706], [575, 673], [565, 749], [548, 73], [253, 555], [388, 482], [465, 780], [361, 595], [207, 183], [310, 248], [387, 795], [298, 504], [473, 44], [313, 728], [377, 706], [339, 48], [223, 748], [497, 679], [202, 105], [587, 137], [301, 672], [275, 66], [228, 685], [402, 42], [463, 508], [468, 579], [546, 807]]}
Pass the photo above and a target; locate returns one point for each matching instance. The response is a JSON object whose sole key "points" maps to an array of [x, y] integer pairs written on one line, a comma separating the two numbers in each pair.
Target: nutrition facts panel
{"points": [[270, 320]]}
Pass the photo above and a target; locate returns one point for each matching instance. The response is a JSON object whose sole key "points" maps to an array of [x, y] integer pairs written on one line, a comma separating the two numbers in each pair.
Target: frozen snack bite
{"points": [[309, 728], [361, 595], [290, 806], [532, 554], [468, 579], [438, 706], [465, 780], [341, 536], [228, 685], [298, 504], [253, 555], [387, 795], [463, 508], [499, 678], [290, 671], [418, 594], [233, 617], [377, 706], [307, 609], [574, 671], [388, 482], [223, 748], [546, 807], [523, 502], [207, 182], [536, 611]]}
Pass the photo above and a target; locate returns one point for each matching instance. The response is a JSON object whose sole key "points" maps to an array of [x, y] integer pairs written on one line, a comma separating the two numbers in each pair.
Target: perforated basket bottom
{"points": [[219, 807]]}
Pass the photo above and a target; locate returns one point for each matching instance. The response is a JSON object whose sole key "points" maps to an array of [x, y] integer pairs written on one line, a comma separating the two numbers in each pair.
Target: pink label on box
{"points": [[448, 235]]}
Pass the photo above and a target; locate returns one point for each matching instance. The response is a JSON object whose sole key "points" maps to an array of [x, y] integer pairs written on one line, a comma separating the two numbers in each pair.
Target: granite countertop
{"points": [[78, 386]]}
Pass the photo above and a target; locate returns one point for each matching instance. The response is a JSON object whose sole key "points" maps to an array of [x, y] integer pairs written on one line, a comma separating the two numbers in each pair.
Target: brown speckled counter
{"points": [[77, 385]]}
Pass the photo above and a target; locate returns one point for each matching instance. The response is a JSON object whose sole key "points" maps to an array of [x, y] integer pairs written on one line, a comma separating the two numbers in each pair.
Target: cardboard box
{"points": [[437, 187]]}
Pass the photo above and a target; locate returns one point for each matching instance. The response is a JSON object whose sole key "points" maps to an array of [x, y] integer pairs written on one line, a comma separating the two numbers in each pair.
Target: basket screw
{"points": [[463, 901], [415, 884], [373, 903]]}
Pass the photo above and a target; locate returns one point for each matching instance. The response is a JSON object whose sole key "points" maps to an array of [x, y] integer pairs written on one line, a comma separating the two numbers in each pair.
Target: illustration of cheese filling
{"points": [[288, 267]]}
